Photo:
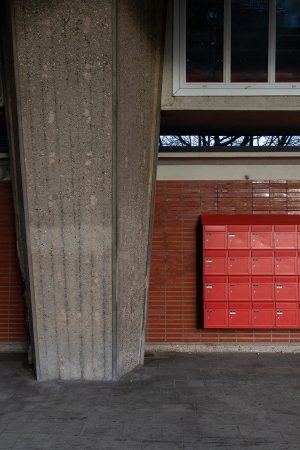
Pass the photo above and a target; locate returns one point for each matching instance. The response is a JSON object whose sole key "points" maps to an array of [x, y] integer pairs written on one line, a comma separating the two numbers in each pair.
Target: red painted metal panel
{"points": [[216, 315], [215, 240], [263, 317], [262, 289], [239, 262], [262, 262], [261, 237], [250, 219], [239, 316], [215, 227], [215, 288], [238, 237], [239, 289], [215, 262], [286, 262], [285, 237], [286, 289], [286, 318]]}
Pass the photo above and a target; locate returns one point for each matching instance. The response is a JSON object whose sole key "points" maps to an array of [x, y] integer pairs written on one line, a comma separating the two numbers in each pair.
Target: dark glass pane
{"points": [[249, 40], [288, 41], [204, 40]]}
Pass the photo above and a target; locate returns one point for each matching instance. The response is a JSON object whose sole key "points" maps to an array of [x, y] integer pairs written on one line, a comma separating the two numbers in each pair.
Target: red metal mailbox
{"points": [[286, 315], [216, 315], [215, 288], [215, 262], [286, 289], [262, 289], [263, 315], [262, 262], [286, 262], [238, 237], [239, 315], [261, 237], [239, 289], [251, 266], [239, 262], [215, 237], [285, 236]]}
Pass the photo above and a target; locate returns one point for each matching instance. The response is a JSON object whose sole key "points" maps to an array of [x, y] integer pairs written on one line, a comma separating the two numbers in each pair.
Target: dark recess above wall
{"points": [[230, 122]]}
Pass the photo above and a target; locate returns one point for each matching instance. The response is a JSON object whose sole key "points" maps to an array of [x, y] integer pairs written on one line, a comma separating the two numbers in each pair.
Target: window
{"points": [[236, 47], [208, 144]]}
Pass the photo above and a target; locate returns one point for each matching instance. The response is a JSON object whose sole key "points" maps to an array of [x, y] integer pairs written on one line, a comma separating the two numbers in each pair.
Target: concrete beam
{"points": [[88, 77]]}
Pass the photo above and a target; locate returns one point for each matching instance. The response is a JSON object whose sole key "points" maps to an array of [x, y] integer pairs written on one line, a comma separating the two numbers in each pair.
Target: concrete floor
{"points": [[186, 402]]}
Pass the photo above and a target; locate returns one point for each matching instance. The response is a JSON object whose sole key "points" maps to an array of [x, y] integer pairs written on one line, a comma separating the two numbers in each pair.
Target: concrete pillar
{"points": [[88, 76]]}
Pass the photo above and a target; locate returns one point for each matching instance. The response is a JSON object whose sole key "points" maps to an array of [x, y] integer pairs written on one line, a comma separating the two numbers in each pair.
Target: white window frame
{"points": [[226, 88]]}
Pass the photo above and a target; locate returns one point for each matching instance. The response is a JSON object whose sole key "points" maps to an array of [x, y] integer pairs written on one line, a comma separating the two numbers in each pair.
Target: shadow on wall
{"points": [[143, 16], [199, 274]]}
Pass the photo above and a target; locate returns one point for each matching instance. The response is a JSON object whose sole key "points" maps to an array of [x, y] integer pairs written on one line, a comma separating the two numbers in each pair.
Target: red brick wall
{"points": [[12, 303], [173, 303]]}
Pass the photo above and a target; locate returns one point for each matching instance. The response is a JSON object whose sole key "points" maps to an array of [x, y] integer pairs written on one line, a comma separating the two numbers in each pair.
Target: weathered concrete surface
{"points": [[139, 70], [255, 347], [87, 81], [175, 402]]}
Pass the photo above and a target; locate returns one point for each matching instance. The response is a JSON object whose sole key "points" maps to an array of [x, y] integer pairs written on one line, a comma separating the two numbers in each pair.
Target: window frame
{"points": [[226, 88]]}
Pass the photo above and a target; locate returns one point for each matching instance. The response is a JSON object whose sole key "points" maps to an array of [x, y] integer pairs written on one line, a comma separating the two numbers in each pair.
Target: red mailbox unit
{"points": [[261, 237], [238, 262], [251, 267], [215, 262]]}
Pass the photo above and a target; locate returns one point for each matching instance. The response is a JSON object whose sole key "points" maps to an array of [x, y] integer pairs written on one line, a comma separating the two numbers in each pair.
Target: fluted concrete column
{"points": [[88, 77]]}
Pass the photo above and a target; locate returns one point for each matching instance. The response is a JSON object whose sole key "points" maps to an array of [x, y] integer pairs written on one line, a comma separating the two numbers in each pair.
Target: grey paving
{"points": [[175, 402]]}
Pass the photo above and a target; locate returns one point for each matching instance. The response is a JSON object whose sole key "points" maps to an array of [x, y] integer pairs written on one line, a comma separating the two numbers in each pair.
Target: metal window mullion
{"points": [[182, 43], [176, 47], [227, 42], [272, 42]]}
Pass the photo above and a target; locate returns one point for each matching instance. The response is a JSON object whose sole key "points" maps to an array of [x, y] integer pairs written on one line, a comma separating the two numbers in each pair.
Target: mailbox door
{"points": [[216, 315], [215, 288], [262, 289], [261, 237], [238, 237], [263, 315], [286, 289], [239, 262], [286, 263], [215, 262], [286, 315], [215, 237], [285, 236], [262, 262], [239, 289], [239, 315]]}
